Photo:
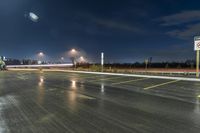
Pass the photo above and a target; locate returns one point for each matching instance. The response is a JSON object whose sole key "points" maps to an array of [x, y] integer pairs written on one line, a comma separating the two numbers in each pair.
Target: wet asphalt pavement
{"points": [[55, 102]]}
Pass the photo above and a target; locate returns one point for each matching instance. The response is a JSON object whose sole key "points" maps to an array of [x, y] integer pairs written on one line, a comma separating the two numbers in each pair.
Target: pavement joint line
{"points": [[84, 76], [105, 79], [162, 84], [88, 77], [129, 81]]}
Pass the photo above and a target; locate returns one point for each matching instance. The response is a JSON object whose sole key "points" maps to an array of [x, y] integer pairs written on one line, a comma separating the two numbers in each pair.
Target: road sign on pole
{"points": [[197, 43], [197, 49]]}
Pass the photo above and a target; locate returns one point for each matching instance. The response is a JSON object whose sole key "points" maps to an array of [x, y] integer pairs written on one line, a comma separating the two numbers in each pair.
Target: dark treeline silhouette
{"points": [[154, 65], [187, 64], [10, 61], [20, 62]]}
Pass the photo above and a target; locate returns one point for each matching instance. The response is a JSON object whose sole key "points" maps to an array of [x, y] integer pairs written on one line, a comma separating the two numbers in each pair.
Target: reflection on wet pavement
{"points": [[62, 103]]}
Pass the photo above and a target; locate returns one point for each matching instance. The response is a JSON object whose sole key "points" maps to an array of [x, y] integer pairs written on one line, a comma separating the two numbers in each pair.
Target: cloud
{"points": [[112, 23], [187, 32], [173, 52], [186, 24], [180, 18], [118, 25]]}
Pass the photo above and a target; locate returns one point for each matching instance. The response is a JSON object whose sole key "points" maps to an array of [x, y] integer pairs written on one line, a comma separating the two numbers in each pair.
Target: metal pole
{"points": [[146, 64], [197, 64]]}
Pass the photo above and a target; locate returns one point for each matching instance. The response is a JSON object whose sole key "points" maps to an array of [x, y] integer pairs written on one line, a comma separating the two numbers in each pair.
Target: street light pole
{"points": [[73, 54], [40, 55]]}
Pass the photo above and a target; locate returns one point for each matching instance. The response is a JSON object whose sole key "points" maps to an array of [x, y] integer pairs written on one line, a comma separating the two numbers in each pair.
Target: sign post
{"points": [[146, 64], [102, 61], [197, 49], [197, 67]]}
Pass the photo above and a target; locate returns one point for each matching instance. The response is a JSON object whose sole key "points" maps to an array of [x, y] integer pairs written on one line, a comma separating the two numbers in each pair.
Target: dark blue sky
{"points": [[126, 30]]}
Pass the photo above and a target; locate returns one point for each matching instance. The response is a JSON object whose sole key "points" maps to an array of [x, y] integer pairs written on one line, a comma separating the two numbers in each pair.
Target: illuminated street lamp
{"points": [[40, 55], [62, 59], [82, 59], [73, 50]]}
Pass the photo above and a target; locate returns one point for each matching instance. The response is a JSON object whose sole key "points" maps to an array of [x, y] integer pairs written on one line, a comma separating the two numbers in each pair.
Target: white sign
{"points": [[197, 43], [102, 59]]}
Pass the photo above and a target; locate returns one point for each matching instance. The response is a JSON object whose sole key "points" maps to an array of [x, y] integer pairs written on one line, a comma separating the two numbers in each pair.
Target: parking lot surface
{"points": [[61, 102]]}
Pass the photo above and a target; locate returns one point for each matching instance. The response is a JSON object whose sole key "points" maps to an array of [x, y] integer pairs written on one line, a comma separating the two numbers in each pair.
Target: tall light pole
{"points": [[73, 54], [40, 55]]}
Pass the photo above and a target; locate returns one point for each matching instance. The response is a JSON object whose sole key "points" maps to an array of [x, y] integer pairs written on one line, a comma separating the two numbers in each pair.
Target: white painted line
{"points": [[128, 81], [104, 79], [158, 85], [130, 75], [85, 96], [168, 72]]}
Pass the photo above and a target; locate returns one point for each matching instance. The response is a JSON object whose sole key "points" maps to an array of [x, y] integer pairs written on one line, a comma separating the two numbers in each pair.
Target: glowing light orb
{"points": [[33, 17]]}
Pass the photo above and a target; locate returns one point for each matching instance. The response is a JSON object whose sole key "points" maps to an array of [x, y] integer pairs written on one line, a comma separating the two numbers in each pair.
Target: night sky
{"points": [[126, 30]]}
